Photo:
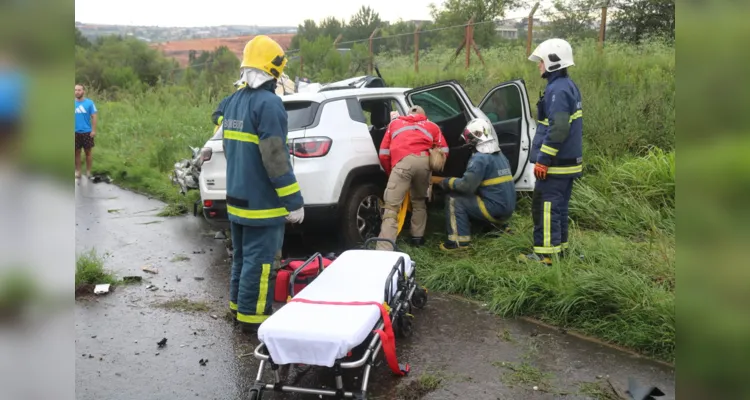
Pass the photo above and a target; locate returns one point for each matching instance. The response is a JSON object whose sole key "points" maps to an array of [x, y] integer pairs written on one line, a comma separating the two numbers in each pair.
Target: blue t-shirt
{"points": [[84, 110], [12, 95]]}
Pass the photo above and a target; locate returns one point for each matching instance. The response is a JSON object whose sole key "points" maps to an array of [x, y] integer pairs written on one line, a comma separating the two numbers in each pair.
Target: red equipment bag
{"points": [[303, 278]]}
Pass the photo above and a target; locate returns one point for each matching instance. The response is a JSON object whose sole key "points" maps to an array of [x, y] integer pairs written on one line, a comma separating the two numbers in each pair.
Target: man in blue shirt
{"points": [[85, 113]]}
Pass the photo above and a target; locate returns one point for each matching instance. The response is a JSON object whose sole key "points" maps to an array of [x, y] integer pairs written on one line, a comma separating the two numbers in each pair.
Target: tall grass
{"points": [[622, 210]]}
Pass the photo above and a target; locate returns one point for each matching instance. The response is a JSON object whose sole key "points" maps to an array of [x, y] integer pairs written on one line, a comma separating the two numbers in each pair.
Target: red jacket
{"points": [[410, 134]]}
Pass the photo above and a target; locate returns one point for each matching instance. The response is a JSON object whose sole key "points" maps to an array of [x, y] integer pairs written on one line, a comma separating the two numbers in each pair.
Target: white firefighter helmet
{"points": [[556, 54], [479, 133]]}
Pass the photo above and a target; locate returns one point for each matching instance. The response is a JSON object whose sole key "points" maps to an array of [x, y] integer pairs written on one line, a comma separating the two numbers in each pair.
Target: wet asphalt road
{"points": [[455, 341]]}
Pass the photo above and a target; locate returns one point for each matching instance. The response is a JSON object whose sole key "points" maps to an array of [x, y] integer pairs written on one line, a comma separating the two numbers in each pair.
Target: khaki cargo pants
{"points": [[411, 173]]}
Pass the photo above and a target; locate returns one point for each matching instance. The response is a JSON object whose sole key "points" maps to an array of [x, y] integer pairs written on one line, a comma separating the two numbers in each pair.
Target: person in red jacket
{"points": [[404, 155]]}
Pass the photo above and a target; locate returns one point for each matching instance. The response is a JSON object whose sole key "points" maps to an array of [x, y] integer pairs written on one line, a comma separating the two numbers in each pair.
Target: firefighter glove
{"points": [[540, 171]]}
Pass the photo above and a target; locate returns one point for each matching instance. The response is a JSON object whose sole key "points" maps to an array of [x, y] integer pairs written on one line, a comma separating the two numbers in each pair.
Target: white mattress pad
{"points": [[319, 334]]}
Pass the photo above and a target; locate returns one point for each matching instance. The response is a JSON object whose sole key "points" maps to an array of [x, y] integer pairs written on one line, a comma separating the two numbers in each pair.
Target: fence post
{"points": [[467, 45], [372, 35], [603, 27], [530, 34], [301, 65], [416, 48], [338, 39]]}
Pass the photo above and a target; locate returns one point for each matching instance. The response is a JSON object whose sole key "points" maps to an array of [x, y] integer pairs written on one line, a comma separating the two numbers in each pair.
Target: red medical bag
{"points": [[302, 279]]}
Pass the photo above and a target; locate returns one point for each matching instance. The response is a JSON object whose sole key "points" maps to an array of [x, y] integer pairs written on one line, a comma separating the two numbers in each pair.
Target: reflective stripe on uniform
{"points": [[456, 238], [450, 183], [546, 250], [385, 152], [260, 306], [287, 190], [484, 211], [251, 319], [549, 150], [257, 214], [445, 150], [233, 306], [241, 136], [565, 170], [452, 211], [547, 224], [496, 181], [410, 128], [575, 116]]}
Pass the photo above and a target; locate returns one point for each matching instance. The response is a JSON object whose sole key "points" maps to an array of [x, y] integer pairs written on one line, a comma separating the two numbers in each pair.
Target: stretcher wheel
{"points": [[254, 394], [404, 327], [419, 298], [360, 396]]}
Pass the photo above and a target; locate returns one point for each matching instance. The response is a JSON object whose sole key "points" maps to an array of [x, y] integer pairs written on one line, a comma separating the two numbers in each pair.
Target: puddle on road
{"points": [[457, 349]]}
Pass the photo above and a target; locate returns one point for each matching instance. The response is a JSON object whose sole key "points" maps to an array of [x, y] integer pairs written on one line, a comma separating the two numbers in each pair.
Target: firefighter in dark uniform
{"points": [[485, 193], [262, 191], [557, 150]]}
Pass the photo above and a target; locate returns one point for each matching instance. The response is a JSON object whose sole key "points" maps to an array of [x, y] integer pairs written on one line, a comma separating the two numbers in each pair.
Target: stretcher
{"points": [[341, 320]]}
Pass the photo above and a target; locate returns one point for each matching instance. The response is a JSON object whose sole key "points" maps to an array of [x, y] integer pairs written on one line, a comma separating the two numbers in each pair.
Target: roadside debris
{"points": [[198, 278], [201, 251], [220, 235], [203, 362], [101, 289], [132, 279], [214, 316], [152, 288], [162, 343], [150, 269], [637, 391], [178, 278]]}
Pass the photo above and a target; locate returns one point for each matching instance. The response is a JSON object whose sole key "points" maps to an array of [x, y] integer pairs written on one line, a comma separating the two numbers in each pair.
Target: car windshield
{"points": [[300, 114]]}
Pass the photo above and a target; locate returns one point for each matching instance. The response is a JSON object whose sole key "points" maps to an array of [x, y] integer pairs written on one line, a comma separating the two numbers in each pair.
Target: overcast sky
{"points": [[241, 12]]}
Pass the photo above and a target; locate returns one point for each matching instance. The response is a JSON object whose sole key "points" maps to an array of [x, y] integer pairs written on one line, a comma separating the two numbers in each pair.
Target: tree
{"points": [[81, 40], [572, 20], [362, 24], [635, 20], [458, 12]]}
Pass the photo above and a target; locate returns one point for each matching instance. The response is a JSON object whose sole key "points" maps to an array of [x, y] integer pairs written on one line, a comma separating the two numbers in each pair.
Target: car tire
{"points": [[362, 207]]}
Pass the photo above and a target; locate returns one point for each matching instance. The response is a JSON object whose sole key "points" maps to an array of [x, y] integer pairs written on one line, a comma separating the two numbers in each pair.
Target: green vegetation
{"points": [[90, 270], [622, 210], [183, 304]]}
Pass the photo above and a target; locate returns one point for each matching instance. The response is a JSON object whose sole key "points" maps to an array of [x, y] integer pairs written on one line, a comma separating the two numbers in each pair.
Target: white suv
{"points": [[335, 134]]}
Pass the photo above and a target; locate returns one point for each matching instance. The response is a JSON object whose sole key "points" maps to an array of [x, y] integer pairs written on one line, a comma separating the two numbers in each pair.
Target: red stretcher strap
{"points": [[387, 337]]}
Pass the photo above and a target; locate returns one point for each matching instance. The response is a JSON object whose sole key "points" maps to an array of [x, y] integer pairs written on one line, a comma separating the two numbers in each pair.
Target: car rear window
{"points": [[300, 114]]}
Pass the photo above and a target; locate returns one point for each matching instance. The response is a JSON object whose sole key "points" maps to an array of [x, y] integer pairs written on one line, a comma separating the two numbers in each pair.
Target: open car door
{"points": [[447, 105], [507, 107]]}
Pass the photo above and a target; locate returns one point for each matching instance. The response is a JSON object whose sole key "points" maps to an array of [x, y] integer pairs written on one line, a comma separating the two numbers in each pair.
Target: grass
{"points": [[598, 391], [90, 270], [622, 211], [184, 305], [420, 387]]}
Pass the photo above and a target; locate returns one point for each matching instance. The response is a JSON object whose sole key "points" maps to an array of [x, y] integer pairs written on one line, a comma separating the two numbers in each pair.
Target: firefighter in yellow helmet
{"points": [[262, 191]]}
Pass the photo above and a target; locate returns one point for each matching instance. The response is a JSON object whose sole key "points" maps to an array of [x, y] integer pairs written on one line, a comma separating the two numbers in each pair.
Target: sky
{"points": [[193, 13]]}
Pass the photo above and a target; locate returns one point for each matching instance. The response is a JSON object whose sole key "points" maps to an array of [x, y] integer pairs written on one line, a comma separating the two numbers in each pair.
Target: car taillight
{"points": [[310, 147], [206, 154], [208, 203]]}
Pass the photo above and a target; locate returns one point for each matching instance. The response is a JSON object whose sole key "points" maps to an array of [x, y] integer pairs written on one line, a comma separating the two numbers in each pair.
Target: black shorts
{"points": [[84, 141]]}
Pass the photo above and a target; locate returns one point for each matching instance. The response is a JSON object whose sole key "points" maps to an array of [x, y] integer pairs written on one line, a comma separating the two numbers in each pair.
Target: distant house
{"points": [[507, 32]]}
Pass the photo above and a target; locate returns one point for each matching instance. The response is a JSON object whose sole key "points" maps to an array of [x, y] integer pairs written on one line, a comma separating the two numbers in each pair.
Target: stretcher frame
{"points": [[400, 304]]}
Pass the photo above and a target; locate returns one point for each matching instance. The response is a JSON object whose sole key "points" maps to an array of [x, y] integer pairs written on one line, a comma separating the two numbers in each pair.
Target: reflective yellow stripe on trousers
{"points": [[260, 305]]}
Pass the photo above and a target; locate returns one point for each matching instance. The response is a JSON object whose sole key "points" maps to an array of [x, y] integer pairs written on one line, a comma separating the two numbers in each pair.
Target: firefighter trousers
{"points": [[549, 208], [411, 174], [461, 210], [255, 260]]}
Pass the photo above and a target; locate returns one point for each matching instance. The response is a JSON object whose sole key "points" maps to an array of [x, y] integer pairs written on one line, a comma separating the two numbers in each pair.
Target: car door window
{"points": [[503, 104], [439, 104]]}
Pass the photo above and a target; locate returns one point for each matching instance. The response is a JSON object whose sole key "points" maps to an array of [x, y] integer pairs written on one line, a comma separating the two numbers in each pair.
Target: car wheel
{"points": [[362, 215]]}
